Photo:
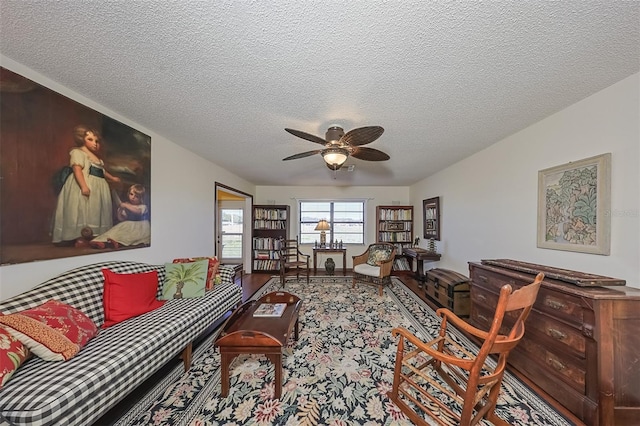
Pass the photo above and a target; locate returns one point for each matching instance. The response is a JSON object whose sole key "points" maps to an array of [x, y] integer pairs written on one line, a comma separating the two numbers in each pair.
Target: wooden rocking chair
{"points": [[472, 382]]}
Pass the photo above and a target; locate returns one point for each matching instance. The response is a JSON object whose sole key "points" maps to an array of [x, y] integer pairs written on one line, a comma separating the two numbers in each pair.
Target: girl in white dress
{"points": [[85, 198], [134, 228]]}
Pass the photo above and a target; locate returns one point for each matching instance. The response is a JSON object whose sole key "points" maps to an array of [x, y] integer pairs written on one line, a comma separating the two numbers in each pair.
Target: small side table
{"points": [[317, 250]]}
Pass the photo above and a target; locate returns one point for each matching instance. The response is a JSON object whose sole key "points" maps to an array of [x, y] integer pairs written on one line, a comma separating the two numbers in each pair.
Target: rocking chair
{"points": [[471, 382]]}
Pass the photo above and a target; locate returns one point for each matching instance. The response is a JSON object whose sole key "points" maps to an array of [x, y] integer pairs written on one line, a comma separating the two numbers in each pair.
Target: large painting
{"points": [[73, 181], [574, 204]]}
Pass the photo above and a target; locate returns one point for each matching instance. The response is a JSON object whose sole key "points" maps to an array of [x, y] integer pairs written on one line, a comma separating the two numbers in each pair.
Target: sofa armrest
{"points": [[386, 267], [227, 273]]}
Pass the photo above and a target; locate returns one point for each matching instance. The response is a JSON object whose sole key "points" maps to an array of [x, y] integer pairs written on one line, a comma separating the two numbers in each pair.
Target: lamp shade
{"points": [[322, 225], [335, 157]]}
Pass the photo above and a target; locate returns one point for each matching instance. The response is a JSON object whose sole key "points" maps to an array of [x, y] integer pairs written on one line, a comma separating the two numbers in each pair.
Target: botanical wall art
{"points": [[73, 181], [574, 204]]}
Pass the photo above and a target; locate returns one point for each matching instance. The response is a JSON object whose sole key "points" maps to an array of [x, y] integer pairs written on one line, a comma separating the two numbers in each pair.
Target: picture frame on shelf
{"points": [[574, 206], [431, 217], [395, 226]]}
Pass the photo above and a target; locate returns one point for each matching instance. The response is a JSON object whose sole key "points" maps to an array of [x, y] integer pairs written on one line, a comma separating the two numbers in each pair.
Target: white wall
{"points": [[374, 196], [489, 201], [182, 197]]}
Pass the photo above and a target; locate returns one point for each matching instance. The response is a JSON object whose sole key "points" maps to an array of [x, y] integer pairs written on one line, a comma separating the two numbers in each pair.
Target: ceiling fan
{"points": [[338, 145]]}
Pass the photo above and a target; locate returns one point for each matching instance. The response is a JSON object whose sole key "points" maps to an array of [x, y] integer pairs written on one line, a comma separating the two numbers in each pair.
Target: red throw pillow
{"points": [[54, 331], [12, 355], [129, 295], [212, 272]]}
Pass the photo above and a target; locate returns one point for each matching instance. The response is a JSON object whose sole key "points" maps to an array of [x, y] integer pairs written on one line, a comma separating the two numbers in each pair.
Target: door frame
{"points": [[246, 222]]}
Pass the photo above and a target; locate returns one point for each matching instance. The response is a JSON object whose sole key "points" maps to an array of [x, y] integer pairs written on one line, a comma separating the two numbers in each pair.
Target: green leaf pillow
{"points": [[184, 280]]}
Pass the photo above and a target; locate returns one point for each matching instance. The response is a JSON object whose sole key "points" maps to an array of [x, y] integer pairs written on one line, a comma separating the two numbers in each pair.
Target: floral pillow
{"points": [[54, 331], [12, 355], [379, 253], [213, 275]]}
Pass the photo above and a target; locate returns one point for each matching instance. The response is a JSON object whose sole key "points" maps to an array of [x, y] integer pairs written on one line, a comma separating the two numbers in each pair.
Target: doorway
{"points": [[233, 226]]}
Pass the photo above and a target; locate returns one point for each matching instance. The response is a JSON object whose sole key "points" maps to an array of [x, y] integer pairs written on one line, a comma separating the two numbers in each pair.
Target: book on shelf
{"points": [[270, 310]]}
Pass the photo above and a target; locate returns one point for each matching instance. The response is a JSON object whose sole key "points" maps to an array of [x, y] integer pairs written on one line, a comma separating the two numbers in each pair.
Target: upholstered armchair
{"points": [[374, 265]]}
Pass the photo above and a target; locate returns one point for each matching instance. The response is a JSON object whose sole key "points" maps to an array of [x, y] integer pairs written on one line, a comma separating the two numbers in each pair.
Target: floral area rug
{"points": [[337, 373]]}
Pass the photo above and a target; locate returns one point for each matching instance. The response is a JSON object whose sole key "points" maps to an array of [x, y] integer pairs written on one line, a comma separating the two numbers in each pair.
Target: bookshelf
{"points": [[394, 224], [270, 223]]}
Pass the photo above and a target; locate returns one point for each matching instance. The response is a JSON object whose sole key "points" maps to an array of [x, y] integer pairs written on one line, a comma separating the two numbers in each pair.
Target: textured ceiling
{"points": [[224, 78]]}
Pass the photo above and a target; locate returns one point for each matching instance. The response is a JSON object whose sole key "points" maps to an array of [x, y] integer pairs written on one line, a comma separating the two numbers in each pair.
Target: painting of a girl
{"points": [[85, 198]]}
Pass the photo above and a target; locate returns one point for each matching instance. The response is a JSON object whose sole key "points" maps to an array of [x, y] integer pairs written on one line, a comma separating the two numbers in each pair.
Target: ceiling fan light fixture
{"points": [[335, 157]]}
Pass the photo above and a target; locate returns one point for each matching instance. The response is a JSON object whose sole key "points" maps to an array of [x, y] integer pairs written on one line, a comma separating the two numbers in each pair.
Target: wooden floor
{"points": [[252, 283]]}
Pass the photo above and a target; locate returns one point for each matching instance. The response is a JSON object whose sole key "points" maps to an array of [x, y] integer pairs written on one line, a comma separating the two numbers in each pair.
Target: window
{"points": [[346, 219], [231, 234]]}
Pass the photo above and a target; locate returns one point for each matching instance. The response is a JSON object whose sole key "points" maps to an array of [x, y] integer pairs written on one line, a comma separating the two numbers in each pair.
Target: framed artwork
{"points": [[395, 226], [73, 181], [574, 202], [431, 214]]}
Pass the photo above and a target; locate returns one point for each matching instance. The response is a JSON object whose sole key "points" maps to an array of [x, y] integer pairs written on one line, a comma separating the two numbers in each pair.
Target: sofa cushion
{"points": [[12, 355], [379, 253], [129, 295], [54, 331], [184, 280], [212, 270]]}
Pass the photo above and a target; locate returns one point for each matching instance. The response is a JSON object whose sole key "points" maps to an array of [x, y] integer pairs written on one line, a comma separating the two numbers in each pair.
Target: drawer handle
{"points": [[557, 334], [483, 278], [557, 364], [482, 298], [555, 304], [482, 317]]}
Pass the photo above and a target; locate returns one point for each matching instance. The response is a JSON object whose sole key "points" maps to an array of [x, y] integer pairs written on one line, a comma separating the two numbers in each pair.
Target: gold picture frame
{"points": [[574, 205]]}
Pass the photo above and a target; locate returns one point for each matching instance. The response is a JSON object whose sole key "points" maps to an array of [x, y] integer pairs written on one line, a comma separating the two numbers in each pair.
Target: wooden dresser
{"points": [[581, 346]]}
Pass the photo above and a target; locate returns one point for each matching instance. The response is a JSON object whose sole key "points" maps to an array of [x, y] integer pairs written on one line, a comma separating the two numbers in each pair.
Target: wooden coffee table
{"points": [[245, 334]]}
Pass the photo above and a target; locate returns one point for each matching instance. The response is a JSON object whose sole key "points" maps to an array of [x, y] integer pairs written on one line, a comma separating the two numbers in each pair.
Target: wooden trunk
{"points": [[448, 289], [580, 346]]}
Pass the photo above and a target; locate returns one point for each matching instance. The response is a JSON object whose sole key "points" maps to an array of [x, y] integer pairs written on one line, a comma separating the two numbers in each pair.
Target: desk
{"points": [[421, 256], [317, 250]]}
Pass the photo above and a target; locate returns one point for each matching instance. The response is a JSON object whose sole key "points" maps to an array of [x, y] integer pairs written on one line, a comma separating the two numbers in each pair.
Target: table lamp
{"points": [[322, 226]]}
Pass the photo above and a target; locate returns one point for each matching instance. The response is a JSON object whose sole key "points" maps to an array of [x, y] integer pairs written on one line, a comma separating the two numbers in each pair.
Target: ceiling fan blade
{"points": [[307, 136], [302, 155], [362, 135], [369, 154]]}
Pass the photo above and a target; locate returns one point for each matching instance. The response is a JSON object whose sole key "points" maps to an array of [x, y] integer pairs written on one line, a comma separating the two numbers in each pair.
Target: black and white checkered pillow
{"points": [[226, 274]]}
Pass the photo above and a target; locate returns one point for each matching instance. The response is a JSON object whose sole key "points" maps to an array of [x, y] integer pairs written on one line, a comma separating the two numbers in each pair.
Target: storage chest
{"points": [[449, 289]]}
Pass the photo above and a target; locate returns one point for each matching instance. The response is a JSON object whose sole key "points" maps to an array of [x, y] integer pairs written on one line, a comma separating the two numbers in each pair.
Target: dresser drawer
{"points": [[493, 281], [570, 370], [560, 305], [568, 338]]}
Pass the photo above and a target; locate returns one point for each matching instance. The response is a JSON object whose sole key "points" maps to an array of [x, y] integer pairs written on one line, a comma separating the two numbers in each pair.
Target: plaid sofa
{"points": [[79, 391]]}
